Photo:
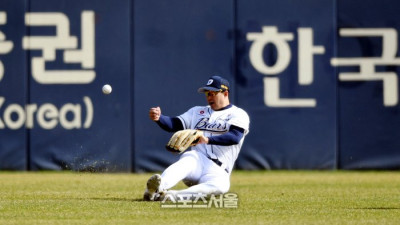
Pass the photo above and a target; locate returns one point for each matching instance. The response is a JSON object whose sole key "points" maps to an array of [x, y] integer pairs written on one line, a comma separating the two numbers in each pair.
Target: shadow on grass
{"points": [[118, 199]]}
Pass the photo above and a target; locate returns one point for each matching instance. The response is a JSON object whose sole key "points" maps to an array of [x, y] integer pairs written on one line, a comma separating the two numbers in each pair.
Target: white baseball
{"points": [[107, 89]]}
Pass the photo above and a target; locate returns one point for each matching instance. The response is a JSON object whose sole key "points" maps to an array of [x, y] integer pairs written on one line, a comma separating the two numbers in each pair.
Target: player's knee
{"points": [[224, 188]]}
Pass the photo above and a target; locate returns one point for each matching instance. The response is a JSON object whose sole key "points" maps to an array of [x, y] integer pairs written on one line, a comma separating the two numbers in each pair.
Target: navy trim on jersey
{"points": [[170, 124], [226, 107]]}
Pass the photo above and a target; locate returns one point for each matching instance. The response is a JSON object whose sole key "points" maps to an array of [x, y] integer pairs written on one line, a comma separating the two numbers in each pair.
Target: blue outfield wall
{"points": [[286, 84], [13, 85], [318, 78], [369, 116]]}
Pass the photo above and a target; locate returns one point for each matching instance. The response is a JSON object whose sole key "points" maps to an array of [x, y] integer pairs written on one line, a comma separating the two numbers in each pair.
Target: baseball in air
{"points": [[107, 89]]}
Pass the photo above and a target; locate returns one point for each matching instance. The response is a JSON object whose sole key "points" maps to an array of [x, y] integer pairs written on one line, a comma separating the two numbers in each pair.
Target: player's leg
{"points": [[203, 189], [188, 167], [214, 180]]}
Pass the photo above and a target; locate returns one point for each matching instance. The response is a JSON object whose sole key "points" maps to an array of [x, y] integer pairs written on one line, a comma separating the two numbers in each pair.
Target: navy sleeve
{"points": [[170, 124], [232, 137]]}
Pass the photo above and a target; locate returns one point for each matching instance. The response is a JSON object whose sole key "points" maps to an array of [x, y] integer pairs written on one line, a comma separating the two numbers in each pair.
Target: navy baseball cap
{"points": [[215, 83]]}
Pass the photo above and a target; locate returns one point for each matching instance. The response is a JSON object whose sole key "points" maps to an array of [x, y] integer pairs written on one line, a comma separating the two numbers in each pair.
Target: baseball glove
{"points": [[183, 139]]}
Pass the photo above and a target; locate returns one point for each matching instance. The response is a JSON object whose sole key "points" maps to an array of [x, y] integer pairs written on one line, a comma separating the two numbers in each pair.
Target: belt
{"points": [[216, 161]]}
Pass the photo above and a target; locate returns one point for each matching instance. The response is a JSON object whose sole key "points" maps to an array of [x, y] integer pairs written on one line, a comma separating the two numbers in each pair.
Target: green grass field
{"points": [[265, 197]]}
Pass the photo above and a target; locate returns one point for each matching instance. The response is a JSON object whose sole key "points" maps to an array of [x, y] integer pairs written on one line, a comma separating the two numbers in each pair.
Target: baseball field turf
{"points": [[264, 197]]}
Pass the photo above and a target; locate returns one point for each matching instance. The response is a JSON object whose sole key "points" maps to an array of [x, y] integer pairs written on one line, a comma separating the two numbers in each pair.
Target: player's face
{"points": [[216, 99]]}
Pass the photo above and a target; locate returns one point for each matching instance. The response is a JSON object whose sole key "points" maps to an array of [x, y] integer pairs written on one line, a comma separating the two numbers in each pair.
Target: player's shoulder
{"points": [[240, 113], [239, 110]]}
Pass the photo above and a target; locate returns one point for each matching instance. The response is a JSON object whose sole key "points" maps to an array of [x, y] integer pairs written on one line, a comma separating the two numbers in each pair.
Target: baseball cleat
{"points": [[159, 196], [151, 192]]}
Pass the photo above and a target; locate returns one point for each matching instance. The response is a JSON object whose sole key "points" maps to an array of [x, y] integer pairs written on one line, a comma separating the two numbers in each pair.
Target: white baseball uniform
{"points": [[206, 168]]}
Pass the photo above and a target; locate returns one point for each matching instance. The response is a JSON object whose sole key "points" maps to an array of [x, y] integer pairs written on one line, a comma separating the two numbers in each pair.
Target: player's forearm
{"points": [[232, 137], [170, 124]]}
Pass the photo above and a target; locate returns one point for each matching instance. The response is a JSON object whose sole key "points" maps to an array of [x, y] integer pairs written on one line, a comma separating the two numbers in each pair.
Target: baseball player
{"points": [[206, 166]]}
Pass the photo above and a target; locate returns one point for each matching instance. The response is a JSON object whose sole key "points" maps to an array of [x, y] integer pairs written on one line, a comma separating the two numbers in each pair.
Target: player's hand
{"points": [[203, 140], [155, 113]]}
